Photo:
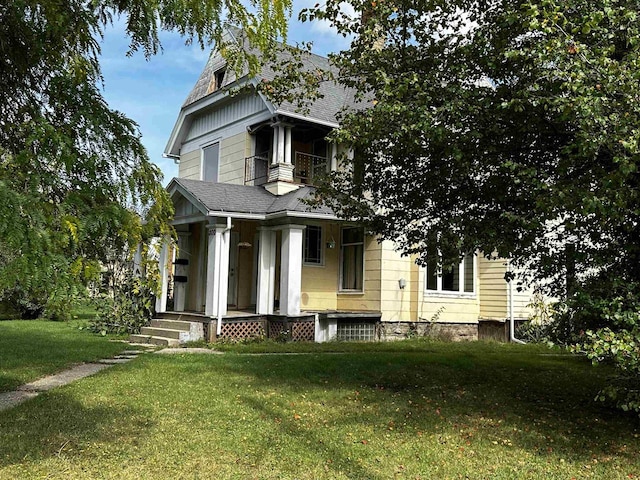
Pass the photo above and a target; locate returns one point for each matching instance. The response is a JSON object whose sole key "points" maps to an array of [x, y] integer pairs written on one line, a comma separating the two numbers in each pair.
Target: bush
{"points": [[127, 310]]}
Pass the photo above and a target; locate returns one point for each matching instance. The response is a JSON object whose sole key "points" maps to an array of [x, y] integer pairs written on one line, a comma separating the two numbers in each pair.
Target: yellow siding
{"points": [[398, 304], [320, 283], [493, 288], [446, 308], [370, 298], [232, 155], [190, 165]]}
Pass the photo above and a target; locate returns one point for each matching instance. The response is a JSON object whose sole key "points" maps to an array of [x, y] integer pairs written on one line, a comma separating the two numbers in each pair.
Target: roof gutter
{"points": [[175, 158]]}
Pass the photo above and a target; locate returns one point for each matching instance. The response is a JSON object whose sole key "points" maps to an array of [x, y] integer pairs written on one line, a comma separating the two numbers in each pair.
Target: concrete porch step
{"points": [[162, 332], [153, 340], [182, 316], [171, 324]]}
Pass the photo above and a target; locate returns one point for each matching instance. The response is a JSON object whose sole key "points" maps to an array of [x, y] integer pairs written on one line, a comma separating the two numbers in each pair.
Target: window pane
{"points": [[352, 264], [468, 273], [352, 235], [432, 267], [450, 276], [210, 159], [313, 245]]}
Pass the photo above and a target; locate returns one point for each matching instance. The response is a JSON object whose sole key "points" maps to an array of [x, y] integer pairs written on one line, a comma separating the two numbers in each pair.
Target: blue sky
{"points": [[152, 92]]}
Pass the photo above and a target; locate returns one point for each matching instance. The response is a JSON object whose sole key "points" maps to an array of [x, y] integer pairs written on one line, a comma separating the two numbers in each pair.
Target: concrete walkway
{"points": [[33, 389]]}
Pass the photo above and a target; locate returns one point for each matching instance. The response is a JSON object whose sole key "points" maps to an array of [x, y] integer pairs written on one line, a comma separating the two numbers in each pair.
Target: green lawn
{"points": [[30, 349], [406, 410]]}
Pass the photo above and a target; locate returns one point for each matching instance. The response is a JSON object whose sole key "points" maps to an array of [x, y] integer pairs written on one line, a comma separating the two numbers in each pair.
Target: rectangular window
{"points": [[210, 162], [452, 279], [352, 259], [313, 245]]}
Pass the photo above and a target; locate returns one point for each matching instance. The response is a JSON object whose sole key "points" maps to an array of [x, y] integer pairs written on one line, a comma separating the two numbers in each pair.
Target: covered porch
{"points": [[239, 252]]}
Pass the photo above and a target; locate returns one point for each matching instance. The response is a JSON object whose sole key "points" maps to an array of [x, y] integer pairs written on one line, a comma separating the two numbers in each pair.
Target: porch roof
{"points": [[226, 198]]}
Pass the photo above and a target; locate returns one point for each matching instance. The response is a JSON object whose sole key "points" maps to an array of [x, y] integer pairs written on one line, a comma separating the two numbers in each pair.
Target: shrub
{"points": [[127, 310]]}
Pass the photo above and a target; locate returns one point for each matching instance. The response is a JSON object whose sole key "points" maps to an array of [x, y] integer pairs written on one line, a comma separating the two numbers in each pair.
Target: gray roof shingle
{"points": [[230, 198], [334, 97]]}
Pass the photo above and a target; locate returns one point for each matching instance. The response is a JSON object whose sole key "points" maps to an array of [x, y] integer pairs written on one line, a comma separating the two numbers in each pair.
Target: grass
{"points": [[30, 349], [415, 410]]}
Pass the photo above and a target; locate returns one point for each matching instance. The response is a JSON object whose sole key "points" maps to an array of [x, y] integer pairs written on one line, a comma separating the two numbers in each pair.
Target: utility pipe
{"points": [[512, 322]]}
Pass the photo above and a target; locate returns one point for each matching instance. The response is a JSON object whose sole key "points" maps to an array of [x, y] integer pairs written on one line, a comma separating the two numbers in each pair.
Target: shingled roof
{"points": [[246, 199], [334, 97]]}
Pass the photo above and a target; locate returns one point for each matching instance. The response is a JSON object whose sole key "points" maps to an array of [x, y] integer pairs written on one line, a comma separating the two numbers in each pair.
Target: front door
{"points": [[232, 292]]}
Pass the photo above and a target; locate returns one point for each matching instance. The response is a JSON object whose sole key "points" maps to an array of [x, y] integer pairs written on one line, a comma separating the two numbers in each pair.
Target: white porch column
{"points": [[217, 272], [291, 269], [266, 271], [161, 301], [281, 142], [137, 262], [181, 269], [287, 144], [333, 164], [274, 145]]}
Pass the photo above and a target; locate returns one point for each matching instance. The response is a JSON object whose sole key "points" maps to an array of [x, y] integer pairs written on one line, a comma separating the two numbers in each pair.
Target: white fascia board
{"points": [[267, 102], [239, 215], [308, 119], [309, 215], [173, 149], [174, 187]]}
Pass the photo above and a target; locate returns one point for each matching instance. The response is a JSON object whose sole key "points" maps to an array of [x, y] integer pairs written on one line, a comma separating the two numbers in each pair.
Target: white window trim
{"points": [[457, 294], [322, 255], [206, 145], [341, 290]]}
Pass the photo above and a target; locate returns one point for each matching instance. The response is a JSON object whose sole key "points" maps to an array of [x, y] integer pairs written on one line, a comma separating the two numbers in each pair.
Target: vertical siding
{"points": [[234, 111], [493, 288], [190, 165], [370, 298], [232, 155], [398, 304]]}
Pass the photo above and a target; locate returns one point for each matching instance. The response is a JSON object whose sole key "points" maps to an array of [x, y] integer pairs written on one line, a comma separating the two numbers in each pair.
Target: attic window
{"points": [[219, 78]]}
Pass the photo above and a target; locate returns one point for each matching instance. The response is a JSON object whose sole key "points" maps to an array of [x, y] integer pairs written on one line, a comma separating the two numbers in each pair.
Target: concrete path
{"points": [[33, 389]]}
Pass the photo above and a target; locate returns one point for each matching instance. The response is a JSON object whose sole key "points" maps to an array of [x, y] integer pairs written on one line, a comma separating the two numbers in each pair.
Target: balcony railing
{"points": [[256, 169], [308, 167]]}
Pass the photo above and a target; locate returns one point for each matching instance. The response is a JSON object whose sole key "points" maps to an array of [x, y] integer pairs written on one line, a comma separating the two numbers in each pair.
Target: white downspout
{"points": [[512, 322], [223, 239]]}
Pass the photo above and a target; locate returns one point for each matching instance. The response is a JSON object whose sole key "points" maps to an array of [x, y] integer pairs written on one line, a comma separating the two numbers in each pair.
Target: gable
{"points": [[227, 114]]}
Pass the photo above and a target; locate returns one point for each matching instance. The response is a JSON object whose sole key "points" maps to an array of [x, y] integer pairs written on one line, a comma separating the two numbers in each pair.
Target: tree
{"points": [[74, 175], [509, 127], [495, 125]]}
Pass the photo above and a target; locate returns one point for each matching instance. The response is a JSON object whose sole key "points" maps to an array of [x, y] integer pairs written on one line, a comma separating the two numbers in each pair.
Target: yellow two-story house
{"points": [[254, 259]]}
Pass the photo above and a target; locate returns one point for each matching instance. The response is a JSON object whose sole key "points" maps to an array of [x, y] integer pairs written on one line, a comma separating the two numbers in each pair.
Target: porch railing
{"points": [[256, 169], [309, 167]]}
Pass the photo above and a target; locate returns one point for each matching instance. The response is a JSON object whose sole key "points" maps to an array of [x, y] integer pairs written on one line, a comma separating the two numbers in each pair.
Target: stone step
{"points": [[183, 316], [149, 339], [162, 332], [170, 324]]}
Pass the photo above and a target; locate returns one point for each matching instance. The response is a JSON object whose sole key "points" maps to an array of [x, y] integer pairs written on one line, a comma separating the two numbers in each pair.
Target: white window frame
{"points": [[202, 149], [460, 293], [304, 243], [340, 269]]}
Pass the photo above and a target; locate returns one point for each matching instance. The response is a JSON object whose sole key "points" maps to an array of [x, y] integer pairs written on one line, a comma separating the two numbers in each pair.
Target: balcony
{"points": [[256, 169], [307, 168]]}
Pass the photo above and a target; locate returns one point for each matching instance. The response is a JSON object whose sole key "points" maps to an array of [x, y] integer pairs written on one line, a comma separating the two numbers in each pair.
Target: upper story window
{"points": [[457, 279], [210, 162], [313, 245], [219, 78], [352, 259]]}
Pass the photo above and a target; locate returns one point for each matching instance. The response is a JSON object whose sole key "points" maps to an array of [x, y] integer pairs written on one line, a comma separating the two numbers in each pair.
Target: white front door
{"points": [[232, 292]]}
